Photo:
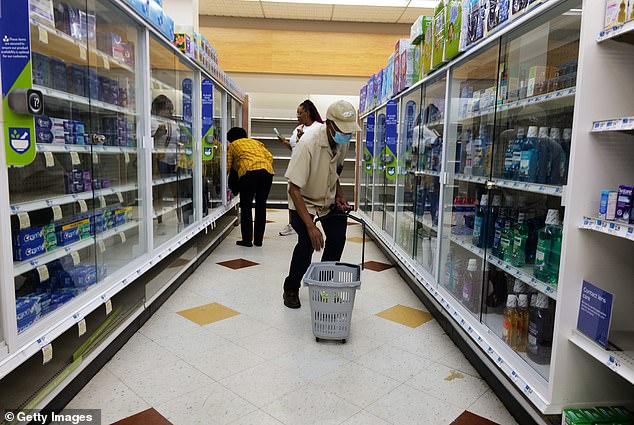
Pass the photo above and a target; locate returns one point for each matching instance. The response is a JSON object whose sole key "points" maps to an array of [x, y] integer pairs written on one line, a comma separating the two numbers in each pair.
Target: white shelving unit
{"points": [[620, 362]]}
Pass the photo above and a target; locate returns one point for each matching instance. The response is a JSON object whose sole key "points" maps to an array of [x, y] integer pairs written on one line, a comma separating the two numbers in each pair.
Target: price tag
{"points": [[126, 157], [95, 158], [50, 160], [82, 205], [102, 201], [42, 271], [47, 353], [74, 158], [82, 53], [24, 220], [75, 257], [82, 327], [57, 212], [101, 245], [43, 34], [106, 62], [122, 236], [108, 307], [120, 196]]}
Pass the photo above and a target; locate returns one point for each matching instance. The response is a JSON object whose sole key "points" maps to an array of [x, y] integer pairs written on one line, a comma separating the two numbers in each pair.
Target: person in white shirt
{"points": [[309, 120]]}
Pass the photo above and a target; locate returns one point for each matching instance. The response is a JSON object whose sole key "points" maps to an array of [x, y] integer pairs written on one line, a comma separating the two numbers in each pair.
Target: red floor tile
{"points": [[376, 266], [147, 417], [238, 263], [468, 418]]}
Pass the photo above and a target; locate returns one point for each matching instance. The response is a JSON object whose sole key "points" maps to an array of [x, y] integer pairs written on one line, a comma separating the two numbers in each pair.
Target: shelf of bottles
{"points": [[510, 129], [75, 218], [172, 143]]}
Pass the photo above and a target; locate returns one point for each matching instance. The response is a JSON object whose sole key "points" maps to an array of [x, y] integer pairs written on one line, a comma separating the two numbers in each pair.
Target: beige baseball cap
{"points": [[344, 116]]}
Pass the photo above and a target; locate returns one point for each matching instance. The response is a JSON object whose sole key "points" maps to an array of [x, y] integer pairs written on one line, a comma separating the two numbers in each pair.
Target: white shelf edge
{"points": [[609, 227], [616, 361], [69, 199], [58, 94], [545, 189], [166, 180], [625, 124], [59, 148], [62, 251], [616, 31], [109, 289], [172, 207]]}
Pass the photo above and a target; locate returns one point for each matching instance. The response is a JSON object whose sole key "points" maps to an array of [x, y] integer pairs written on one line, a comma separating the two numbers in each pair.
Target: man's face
{"points": [[332, 128]]}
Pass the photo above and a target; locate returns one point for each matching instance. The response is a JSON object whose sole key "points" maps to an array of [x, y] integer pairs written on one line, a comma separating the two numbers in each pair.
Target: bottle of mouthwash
{"points": [[517, 153], [521, 339], [520, 236], [511, 318], [544, 156], [545, 240], [498, 229], [493, 216], [540, 329], [506, 243], [448, 278], [558, 159], [552, 265], [529, 156], [471, 283], [479, 223]]}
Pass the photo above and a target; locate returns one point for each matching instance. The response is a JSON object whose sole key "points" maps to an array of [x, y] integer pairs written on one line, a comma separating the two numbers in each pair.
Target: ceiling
{"points": [[398, 11]]}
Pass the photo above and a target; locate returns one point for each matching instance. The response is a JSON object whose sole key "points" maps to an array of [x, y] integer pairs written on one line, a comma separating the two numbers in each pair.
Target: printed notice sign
{"points": [[207, 93], [369, 144], [595, 313]]}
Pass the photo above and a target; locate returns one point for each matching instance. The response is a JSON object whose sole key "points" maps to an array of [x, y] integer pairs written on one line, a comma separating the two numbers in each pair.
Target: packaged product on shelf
{"points": [[416, 31], [27, 311], [43, 10], [438, 55], [428, 44], [76, 79], [624, 203], [94, 88], [548, 249], [498, 13], [58, 74], [362, 95], [540, 329], [476, 25], [511, 319], [141, 6], [167, 26], [155, 14], [408, 67], [521, 334], [454, 42], [183, 42], [615, 13], [88, 27]]}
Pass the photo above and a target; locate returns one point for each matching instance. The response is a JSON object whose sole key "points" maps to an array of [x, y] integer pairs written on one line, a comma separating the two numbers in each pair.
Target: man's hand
{"points": [[316, 237], [341, 203]]}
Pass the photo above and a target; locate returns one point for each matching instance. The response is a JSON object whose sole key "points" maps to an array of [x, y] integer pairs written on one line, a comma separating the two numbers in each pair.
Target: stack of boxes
{"points": [[34, 241], [152, 11], [616, 415]]}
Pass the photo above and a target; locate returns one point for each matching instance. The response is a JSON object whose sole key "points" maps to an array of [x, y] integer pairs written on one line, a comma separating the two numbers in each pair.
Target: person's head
{"points": [[162, 106], [341, 122], [307, 113], [236, 133]]}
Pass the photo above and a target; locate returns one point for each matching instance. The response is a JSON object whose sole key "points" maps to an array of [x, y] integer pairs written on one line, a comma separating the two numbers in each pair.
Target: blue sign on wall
{"points": [[595, 313]]}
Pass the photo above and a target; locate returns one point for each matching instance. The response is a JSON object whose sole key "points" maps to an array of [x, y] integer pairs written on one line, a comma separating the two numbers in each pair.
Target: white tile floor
{"points": [[264, 366]]}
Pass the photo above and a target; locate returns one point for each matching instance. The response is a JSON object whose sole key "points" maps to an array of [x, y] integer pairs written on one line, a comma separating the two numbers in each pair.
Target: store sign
{"points": [[595, 313], [368, 155], [15, 68], [391, 122], [207, 88]]}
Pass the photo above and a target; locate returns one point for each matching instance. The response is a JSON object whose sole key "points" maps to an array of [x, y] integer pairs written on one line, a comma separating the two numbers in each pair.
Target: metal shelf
{"points": [[48, 147], [58, 94], [620, 362], [623, 33], [62, 251], [69, 199], [172, 207], [625, 124], [545, 189], [167, 180], [614, 228]]}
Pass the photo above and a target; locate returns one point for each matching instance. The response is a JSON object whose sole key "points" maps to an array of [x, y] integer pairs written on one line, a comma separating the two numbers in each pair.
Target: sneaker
{"points": [[291, 299], [287, 231]]}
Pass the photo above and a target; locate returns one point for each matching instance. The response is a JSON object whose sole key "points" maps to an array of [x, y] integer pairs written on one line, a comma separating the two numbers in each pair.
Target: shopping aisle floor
{"points": [[244, 358]]}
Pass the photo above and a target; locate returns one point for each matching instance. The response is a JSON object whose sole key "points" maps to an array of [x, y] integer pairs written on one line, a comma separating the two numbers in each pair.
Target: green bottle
{"points": [[543, 269], [552, 266], [520, 236], [506, 242]]}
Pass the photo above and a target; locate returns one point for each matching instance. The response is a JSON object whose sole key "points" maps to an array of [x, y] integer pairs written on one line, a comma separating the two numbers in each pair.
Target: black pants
{"points": [[335, 230], [254, 184]]}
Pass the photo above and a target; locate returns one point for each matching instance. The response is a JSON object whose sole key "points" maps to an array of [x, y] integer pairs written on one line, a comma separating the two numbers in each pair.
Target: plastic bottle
{"points": [[471, 279], [469, 214], [479, 223], [521, 337], [478, 155], [458, 215], [540, 330], [566, 136], [558, 159], [529, 156], [517, 152], [510, 320], [552, 265], [506, 242], [493, 216], [468, 153], [545, 238], [498, 228], [544, 156], [520, 236]]}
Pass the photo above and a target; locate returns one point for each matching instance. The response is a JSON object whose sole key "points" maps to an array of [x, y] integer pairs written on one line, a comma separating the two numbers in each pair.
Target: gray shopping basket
{"points": [[332, 286]]}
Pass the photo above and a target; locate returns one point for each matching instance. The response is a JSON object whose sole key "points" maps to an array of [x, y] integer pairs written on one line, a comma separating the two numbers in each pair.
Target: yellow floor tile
{"points": [[407, 316], [208, 313], [358, 239]]}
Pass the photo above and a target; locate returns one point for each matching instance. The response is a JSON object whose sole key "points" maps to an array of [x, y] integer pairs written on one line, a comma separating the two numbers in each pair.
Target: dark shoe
{"points": [[291, 299], [257, 243], [244, 243]]}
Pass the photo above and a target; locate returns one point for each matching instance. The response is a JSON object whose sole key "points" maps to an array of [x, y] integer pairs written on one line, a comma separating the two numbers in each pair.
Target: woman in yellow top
{"points": [[254, 164]]}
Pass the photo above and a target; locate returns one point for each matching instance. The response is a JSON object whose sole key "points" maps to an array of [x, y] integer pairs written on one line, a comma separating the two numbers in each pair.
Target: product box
{"points": [[417, 30], [88, 27], [428, 44], [476, 20], [453, 28], [167, 26], [23, 253], [418, 62], [155, 14], [611, 13], [43, 11], [183, 42], [438, 55], [498, 13], [370, 96], [141, 6], [610, 213], [76, 79], [362, 97], [58, 74], [624, 203], [409, 71], [537, 75], [41, 68]]}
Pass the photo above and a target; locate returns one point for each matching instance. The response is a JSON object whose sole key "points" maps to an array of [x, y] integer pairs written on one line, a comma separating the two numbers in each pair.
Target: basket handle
{"points": [[346, 213]]}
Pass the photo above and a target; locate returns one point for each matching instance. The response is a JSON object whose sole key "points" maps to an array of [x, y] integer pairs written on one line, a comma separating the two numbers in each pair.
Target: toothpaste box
{"points": [[77, 79], [611, 13], [167, 26], [624, 203], [42, 122], [43, 136], [155, 14], [68, 233], [22, 253]]}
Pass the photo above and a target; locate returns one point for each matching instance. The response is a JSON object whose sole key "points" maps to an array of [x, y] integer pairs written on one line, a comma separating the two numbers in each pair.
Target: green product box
{"points": [[428, 45], [575, 417], [453, 28], [594, 416], [438, 54]]}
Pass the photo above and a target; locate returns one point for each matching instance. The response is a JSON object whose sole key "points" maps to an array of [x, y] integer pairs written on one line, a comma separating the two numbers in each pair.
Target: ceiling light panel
{"points": [[367, 14], [238, 8], [412, 13], [318, 12]]}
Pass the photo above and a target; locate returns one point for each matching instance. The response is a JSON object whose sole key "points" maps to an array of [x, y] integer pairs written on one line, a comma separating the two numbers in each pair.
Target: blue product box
{"points": [[42, 122], [67, 233], [167, 27], [62, 18], [59, 298], [84, 276], [94, 90], [41, 68], [22, 253], [43, 136], [29, 237], [155, 14], [77, 79], [58, 74], [140, 6]]}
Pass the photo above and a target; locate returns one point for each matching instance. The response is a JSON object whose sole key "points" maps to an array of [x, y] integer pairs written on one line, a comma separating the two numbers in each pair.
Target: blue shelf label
{"points": [[595, 313]]}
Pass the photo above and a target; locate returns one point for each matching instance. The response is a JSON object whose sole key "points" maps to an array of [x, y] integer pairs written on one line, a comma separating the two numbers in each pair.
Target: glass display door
{"points": [[366, 164]]}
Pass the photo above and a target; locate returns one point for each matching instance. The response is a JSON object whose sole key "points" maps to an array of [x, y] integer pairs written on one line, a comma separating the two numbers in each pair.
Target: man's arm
{"points": [[340, 199], [316, 237]]}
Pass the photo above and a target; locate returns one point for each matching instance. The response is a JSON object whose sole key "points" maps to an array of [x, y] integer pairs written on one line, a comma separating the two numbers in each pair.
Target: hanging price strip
{"points": [[108, 307], [75, 256], [95, 158], [82, 206], [47, 353], [126, 157], [74, 158], [102, 201], [24, 220], [81, 327], [42, 35], [50, 160], [102, 246], [122, 236], [106, 62], [42, 271], [120, 196], [82, 53], [57, 212]]}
